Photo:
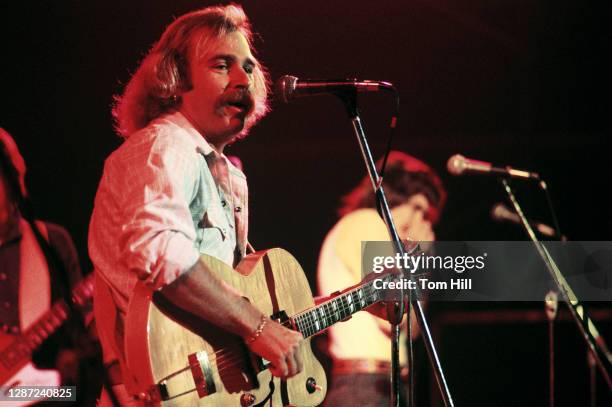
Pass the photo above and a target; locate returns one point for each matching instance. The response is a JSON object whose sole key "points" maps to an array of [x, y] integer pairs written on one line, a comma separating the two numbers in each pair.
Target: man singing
{"points": [[169, 193]]}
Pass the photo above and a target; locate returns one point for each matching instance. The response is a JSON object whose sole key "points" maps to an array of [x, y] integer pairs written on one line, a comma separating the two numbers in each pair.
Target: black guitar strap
{"points": [[275, 309], [268, 397]]}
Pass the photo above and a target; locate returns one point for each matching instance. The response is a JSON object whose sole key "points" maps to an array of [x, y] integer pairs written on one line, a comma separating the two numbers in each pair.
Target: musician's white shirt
{"points": [[165, 197], [364, 336]]}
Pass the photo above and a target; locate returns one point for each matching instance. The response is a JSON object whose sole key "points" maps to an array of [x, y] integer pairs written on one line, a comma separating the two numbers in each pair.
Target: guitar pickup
{"points": [[202, 373]]}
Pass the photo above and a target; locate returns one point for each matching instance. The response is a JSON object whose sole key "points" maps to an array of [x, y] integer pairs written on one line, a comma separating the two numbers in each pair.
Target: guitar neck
{"points": [[23, 345], [315, 320]]}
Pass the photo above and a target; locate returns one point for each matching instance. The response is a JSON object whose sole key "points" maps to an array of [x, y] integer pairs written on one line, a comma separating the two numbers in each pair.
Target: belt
{"points": [[372, 366], [113, 372]]}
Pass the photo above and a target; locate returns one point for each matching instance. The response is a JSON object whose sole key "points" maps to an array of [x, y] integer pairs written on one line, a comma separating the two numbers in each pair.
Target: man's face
{"points": [[220, 99], [412, 220]]}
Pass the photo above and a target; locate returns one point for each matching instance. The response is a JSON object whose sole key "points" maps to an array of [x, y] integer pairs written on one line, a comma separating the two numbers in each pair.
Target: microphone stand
{"points": [[551, 303], [395, 310], [595, 342]]}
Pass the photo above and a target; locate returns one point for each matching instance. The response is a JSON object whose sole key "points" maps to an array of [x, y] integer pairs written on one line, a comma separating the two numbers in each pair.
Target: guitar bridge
{"points": [[202, 373]]}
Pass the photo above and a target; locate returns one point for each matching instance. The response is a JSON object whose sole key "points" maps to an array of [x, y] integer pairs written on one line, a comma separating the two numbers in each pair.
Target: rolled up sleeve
{"points": [[141, 218], [157, 239]]}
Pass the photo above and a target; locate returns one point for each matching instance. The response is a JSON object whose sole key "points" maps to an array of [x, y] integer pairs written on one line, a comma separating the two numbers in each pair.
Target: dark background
{"points": [[521, 83]]}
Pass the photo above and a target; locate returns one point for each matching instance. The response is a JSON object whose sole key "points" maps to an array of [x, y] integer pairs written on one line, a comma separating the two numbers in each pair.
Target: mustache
{"points": [[240, 97]]}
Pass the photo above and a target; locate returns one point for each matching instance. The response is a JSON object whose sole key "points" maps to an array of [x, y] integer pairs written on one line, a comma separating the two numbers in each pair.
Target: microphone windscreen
{"points": [[284, 88], [456, 164], [499, 212]]}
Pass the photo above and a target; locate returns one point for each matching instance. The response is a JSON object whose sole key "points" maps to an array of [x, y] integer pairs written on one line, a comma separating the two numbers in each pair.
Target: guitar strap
{"points": [[249, 248], [269, 396], [275, 309]]}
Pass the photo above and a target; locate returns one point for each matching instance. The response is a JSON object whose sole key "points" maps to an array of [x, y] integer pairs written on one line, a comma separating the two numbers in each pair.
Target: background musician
{"points": [[360, 347]]}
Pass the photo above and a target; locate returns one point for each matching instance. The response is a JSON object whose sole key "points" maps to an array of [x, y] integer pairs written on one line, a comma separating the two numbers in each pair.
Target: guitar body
{"points": [[16, 350], [161, 342], [8, 368], [30, 376]]}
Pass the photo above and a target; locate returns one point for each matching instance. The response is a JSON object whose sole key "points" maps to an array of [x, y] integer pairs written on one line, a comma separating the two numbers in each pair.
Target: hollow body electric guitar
{"points": [[175, 359]]}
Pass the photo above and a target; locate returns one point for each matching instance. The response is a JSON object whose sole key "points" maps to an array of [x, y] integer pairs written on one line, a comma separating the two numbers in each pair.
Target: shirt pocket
{"points": [[214, 224]]}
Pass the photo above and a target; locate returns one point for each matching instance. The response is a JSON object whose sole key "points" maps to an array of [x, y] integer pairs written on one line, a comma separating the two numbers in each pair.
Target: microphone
{"points": [[458, 164], [500, 213], [289, 87]]}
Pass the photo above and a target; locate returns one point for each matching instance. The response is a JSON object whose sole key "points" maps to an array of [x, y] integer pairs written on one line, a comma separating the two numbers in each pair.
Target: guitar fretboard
{"points": [[23, 345], [340, 307]]}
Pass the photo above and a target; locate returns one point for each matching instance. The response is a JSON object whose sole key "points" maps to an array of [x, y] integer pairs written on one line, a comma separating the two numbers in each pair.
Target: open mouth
{"points": [[241, 105], [240, 102]]}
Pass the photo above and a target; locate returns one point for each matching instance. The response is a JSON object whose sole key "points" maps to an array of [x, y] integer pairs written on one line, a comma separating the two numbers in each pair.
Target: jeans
{"points": [[360, 389]]}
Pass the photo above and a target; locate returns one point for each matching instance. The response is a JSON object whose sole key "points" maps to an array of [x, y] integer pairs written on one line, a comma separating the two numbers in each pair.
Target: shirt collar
{"points": [[185, 125], [202, 145]]}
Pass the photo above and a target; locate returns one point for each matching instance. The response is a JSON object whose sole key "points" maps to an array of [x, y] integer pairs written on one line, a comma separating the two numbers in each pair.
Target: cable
{"points": [[392, 126], [392, 129], [551, 208]]}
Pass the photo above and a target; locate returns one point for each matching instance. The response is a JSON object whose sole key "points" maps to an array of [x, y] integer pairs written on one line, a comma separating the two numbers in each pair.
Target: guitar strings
{"points": [[224, 363], [310, 321], [308, 324], [27, 342]]}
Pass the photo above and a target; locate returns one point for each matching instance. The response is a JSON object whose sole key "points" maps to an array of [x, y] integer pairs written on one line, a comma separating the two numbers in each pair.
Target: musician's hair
{"points": [[163, 75], [405, 176], [12, 164]]}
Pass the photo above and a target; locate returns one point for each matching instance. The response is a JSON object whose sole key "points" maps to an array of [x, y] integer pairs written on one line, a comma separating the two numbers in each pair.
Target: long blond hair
{"points": [[163, 75]]}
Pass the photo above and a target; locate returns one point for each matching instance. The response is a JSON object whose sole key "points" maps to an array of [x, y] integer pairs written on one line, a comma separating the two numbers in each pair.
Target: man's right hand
{"points": [[281, 347], [230, 311]]}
